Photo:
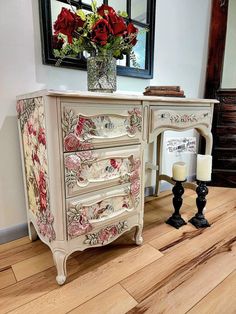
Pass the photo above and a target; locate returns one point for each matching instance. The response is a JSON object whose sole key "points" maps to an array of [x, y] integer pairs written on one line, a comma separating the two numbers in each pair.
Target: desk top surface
{"points": [[115, 96]]}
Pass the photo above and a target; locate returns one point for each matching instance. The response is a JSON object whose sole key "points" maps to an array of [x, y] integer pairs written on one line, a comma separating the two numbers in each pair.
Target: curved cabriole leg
{"points": [[138, 235], [60, 262]]}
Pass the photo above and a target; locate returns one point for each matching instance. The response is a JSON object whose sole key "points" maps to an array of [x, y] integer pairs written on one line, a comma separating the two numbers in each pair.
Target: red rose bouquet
{"points": [[97, 32]]}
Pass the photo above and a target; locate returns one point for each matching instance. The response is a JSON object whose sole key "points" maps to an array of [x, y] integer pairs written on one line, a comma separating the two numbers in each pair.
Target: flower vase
{"points": [[101, 73]]}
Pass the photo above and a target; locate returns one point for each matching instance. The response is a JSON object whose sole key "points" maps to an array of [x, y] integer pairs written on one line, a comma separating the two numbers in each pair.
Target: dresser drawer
{"points": [[179, 117], [87, 126], [91, 211], [86, 171]]}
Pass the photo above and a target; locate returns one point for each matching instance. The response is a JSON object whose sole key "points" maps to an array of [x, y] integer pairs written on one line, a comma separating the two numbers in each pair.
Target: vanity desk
{"points": [[82, 157]]}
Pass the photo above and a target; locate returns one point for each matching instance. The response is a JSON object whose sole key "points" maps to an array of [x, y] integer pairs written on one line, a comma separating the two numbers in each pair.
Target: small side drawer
{"points": [[94, 210], [90, 125], [87, 171], [180, 117]]}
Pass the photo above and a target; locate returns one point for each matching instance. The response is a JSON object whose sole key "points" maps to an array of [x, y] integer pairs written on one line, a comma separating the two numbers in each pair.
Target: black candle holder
{"points": [[176, 220], [199, 220]]}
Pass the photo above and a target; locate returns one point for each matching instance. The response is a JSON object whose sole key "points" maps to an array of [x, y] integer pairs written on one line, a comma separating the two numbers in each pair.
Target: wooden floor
{"points": [[174, 271]]}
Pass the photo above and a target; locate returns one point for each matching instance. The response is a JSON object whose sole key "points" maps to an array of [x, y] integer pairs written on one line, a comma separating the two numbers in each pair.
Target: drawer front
{"points": [[106, 233], [94, 210], [180, 118], [88, 126], [90, 170]]}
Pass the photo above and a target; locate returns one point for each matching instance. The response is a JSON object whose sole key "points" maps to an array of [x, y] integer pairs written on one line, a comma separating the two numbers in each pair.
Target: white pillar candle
{"points": [[179, 171], [204, 166]]}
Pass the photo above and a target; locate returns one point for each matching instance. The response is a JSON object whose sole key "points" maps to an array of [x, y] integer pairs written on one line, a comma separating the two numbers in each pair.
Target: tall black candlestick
{"points": [[176, 220], [199, 220]]}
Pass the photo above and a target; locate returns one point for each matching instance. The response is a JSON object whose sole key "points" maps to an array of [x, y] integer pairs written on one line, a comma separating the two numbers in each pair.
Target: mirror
{"points": [[140, 14], [229, 65]]}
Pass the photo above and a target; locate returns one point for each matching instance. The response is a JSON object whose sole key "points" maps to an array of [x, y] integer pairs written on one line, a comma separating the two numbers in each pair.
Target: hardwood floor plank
{"points": [[171, 239], [113, 301], [220, 300], [148, 280], [13, 244], [98, 273], [7, 278], [197, 279], [20, 253], [33, 265], [81, 262]]}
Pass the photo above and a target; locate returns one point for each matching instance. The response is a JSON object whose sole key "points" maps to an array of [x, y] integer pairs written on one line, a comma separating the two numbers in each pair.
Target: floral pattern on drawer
{"points": [[80, 131], [84, 215], [101, 168], [107, 234], [32, 124], [180, 118]]}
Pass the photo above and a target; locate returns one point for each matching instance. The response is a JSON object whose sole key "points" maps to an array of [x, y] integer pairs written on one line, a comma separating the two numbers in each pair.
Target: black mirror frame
{"points": [[47, 50]]}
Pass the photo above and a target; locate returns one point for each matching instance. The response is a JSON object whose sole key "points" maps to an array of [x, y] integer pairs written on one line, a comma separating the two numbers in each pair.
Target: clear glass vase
{"points": [[101, 71]]}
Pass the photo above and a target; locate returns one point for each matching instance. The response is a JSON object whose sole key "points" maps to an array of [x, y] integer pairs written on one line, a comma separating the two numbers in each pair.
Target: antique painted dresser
{"points": [[82, 157]]}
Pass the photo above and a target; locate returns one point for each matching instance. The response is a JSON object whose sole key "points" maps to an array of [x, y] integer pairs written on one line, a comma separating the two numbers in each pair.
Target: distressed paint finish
{"points": [[106, 234], [32, 124], [82, 217], [87, 167], [79, 130], [184, 118]]}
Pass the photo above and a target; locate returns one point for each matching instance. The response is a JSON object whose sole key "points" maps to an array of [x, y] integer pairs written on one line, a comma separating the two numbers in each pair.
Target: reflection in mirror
{"points": [[139, 11], [56, 9], [118, 5], [99, 2], [140, 48], [229, 65]]}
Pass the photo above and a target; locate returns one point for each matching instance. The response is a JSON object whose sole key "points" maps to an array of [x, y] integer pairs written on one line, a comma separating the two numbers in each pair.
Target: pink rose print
{"points": [[80, 125], [30, 128], [42, 137], [134, 176], [136, 163], [42, 191], [44, 222], [71, 142], [113, 231], [87, 155], [35, 158], [114, 163], [85, 146], [77, 228], [135, 188], [104, 235], [73, 162]]}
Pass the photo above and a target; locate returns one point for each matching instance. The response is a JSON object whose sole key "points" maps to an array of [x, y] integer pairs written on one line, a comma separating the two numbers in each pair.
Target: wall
{"points": [[180, 58]]}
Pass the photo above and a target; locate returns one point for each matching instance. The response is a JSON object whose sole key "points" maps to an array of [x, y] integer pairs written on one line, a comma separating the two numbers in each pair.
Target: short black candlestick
{"points": [[176, 220], [199, 220]]}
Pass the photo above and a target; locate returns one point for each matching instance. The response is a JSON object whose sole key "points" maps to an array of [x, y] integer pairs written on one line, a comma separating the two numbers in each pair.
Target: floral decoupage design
{"points": [[87, 167], [79, 130], [80, 217], [105, 235], [32, 123]]}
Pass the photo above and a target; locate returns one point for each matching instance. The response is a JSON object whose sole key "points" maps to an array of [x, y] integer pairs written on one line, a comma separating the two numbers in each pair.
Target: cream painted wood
{"points": [[91, 178], [111, 132], [100, 207]]}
